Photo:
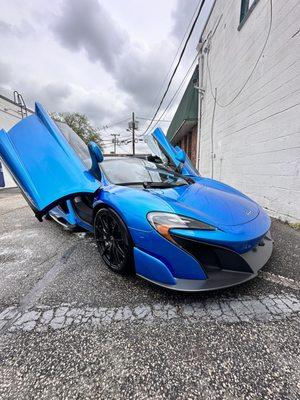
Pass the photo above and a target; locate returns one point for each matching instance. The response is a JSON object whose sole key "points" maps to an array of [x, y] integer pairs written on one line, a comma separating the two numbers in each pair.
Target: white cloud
{"points": [[105, 59]]}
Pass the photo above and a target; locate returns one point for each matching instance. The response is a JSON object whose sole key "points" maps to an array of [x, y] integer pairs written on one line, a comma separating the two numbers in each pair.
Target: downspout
{"points": [[200, 99]]}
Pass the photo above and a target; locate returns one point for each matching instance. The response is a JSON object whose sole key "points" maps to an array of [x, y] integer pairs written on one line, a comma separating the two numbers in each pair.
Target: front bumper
{"points": [[223, 267]]}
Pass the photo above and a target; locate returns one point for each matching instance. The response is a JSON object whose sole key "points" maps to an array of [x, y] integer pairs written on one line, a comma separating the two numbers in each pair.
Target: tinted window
{"points": [[76, 143], [134, 170]]}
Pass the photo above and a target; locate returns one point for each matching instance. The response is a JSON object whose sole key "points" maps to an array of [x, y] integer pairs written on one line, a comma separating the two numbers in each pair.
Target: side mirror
{"points": [[95, 152], [96, 157], [180, 154]]}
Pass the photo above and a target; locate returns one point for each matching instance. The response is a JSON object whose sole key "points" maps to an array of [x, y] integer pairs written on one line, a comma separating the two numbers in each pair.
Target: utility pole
{"points": [[132, 127], [133, 138], [115, 141]]}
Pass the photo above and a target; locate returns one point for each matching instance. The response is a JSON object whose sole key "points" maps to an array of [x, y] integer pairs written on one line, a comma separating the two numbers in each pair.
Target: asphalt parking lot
{"points": [[71, 329]]}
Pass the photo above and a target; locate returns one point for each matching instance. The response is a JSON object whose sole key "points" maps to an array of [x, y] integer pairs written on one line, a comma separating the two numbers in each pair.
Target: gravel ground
{"points": [[71, 329]]}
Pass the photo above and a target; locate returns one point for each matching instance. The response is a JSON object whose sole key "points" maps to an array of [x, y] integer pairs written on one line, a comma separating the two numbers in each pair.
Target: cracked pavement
{"points": [[70, 328], [245, 309]]}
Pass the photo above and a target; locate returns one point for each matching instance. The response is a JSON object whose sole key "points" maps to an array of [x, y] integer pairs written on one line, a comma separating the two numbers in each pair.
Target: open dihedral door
{"points": [[159, 144], [43, 164]]}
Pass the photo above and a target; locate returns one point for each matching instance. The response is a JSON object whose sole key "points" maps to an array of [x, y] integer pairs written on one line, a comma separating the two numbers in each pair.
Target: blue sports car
{"points": [[155, 216]]}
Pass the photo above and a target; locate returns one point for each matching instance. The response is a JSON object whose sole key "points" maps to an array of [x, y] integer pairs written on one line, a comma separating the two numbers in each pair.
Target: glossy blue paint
{"points": [[152, 268], [42, 162], [175, 155], [213, 206], [47, 169], [96, 157], [240, 238], [180, 263], [180, 156]]}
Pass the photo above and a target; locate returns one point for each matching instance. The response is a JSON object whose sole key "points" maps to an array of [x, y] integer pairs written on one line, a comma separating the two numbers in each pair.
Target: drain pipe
{"points": [[201, 92]]}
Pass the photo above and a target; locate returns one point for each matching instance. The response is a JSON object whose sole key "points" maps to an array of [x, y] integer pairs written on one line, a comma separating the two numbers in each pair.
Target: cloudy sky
{"points": [[105, 58]]}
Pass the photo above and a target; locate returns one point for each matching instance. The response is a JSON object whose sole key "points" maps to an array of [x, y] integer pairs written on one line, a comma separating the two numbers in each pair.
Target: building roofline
{"points": [[175, 133], [187, 108], [183, 122]]}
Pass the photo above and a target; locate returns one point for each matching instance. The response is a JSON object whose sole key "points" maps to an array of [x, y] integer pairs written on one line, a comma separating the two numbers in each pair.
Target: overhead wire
{"points": [[177, 65], [160, 120], [149, 119], [115, 123], [177, 52], [178, 49], [175, 94]]}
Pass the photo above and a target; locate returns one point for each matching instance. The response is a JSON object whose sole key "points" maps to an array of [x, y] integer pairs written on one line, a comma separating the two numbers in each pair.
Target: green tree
{"points": [[81, 125]]}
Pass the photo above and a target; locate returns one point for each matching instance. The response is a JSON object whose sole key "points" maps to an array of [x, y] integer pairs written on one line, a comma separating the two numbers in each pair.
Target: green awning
{"points": [[186, 114]]}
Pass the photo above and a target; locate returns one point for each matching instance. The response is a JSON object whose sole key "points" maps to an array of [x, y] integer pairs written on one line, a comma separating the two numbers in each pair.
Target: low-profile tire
{"points": [[113, 241]]}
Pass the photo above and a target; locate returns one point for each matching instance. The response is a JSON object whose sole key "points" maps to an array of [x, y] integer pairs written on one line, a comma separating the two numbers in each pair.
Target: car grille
{"points": [[213, 257]]}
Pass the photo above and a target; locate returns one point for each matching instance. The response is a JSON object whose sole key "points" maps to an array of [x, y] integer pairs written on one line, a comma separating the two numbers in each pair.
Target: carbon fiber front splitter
{"points": [[218, 278]]}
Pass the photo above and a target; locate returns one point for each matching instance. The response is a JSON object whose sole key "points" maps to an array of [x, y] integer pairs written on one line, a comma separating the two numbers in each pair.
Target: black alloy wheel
{"points": [[113, 241]]}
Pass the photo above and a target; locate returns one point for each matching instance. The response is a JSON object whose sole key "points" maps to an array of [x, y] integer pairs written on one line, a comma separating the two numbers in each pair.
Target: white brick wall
{"points": [[257, 137]]}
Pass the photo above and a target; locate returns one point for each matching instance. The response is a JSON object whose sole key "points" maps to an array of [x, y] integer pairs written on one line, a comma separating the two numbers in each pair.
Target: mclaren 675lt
{"points": [[154, 215]]}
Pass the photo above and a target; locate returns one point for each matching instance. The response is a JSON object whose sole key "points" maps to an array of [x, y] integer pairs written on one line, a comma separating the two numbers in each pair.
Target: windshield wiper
{"points": [[174, 173], [161, 185], [128, 183]]}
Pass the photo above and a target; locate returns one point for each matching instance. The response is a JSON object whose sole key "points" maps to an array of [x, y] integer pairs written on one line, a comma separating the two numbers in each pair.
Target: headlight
{"points": [[163, 222]]}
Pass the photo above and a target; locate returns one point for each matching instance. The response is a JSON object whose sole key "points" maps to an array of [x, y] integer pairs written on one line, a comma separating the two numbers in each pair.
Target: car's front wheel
{"points": [[113, 241]]}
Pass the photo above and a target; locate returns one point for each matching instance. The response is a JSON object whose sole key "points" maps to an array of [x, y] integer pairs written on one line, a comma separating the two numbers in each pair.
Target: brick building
{"points": [[183, 128]]}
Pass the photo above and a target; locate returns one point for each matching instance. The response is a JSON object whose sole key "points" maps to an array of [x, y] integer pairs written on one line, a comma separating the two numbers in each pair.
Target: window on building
{"points": [[246, 8]]}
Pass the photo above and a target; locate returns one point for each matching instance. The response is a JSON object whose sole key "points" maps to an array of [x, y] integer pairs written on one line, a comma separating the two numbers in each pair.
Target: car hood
{"points": [[210, 201]]}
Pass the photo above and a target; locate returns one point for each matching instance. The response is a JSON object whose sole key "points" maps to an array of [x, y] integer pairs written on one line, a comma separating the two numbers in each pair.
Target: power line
{"points": [[252, 71], [149, 119], [121, 138], [126, 138], [105, 127], [177, 65], [175, 94], [115, 123], [165, 78]]}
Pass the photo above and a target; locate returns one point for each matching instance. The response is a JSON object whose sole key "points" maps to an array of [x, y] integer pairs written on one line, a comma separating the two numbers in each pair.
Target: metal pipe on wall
{"points": [[200, 99]]}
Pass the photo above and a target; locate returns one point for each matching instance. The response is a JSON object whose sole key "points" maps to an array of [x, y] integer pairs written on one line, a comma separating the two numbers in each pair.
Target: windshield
{"points": [[138, 171]]}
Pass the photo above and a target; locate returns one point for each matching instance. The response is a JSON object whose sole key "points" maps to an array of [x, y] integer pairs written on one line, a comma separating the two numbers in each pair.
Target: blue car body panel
{"points": [[171, 152], [49, 171], [152, 268], [180, 263], [42, 162]]}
